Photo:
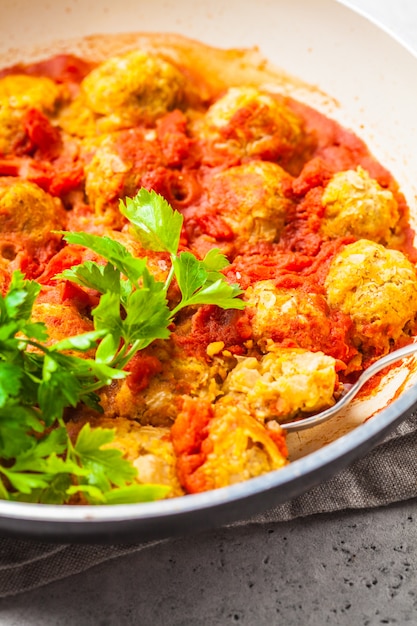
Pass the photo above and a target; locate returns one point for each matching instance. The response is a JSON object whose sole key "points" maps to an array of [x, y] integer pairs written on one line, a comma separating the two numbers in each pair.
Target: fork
{"points": [[351, 391]]}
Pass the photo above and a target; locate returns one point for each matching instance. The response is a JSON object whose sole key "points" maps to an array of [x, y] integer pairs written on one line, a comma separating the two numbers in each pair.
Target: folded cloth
{"points": [[387, 474]]}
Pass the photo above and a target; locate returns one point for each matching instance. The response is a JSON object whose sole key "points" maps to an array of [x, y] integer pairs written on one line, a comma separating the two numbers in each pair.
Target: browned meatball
{"points": [[148, 448], [131, 88], [250, 200], [355, 204], [159, 377], [247, 123], [224, 444], [28, 217], [282, 384], [21, 92], [62, 321], [377, 287], [294, 318], [11, 128]]}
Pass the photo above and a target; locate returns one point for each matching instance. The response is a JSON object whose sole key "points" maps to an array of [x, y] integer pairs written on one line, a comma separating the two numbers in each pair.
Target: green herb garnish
{"points": [[38, 381]]}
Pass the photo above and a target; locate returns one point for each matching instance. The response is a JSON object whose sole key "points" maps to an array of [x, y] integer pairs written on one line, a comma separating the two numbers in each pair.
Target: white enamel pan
{"points": [[358, 74]]}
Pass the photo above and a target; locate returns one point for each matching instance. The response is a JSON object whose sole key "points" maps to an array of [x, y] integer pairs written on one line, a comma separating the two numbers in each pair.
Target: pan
{"points": [[336, 61]]}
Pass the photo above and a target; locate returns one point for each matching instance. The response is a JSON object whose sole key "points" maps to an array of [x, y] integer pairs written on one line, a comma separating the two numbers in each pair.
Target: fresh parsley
{"points": [[38, 382], [133, 305]]}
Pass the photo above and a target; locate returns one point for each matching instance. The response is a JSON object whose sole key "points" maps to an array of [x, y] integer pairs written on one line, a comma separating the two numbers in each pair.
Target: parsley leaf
{"points": [[200, 283], [114, 252], [215, 260], [39, 381], [136, 493], [19, 300], [105, 466], [156, 224], [219, 293], [18, 427], [82, 342], [147, 316], [10, 382], [133, 307], [90, 274]]}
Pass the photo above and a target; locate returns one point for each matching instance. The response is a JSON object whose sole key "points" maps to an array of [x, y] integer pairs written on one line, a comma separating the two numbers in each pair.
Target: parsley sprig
{"points": [[38, 381], [158, 228], [134, 308]]}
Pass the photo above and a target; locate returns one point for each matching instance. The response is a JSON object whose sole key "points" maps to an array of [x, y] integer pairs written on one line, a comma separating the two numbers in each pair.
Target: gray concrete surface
{"points": [[355, 568], [350, 569]]}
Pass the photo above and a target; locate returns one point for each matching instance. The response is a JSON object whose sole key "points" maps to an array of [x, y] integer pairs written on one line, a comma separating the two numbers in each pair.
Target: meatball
{"points": [[62, 321], [158, 378], [250, 199], [22, 92], [132, 88], [355, 204], [149, 449], [117, 165], [11, 128], [296, 318], [377, 288], [223, 444], [105, 175], [248, 123], [18, 94], [77, 119], [283, 383], [28, 215]]}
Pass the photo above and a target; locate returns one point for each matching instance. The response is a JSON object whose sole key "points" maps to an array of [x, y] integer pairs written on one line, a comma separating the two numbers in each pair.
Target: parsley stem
{"points": [[178, 308], [35, 344], [4, 494], [119, 361], [126, 355], [170, 273], [70, 451], [92, 388]]}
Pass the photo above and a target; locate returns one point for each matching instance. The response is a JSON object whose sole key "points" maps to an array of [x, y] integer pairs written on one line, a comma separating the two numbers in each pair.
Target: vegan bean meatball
{"points": [[355, 204], [18, 94], [132, 88], [248, 123], [118, 164], [62, 321], [223, 444], [283, 383], [22, 92], [113, 172], [148, 448], [377, 288], [296, 318], [250, 199], [158, 378], [28, 217], [11, 128], [105, 175]]}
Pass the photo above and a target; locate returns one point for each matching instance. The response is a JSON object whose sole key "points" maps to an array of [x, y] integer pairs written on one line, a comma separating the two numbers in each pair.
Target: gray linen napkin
{"points": [[387, 474]]}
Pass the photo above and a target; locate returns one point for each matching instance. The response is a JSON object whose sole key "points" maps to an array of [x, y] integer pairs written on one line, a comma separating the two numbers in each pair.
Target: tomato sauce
{"points": [[204, 408], [176, 165], [173, 161]]}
